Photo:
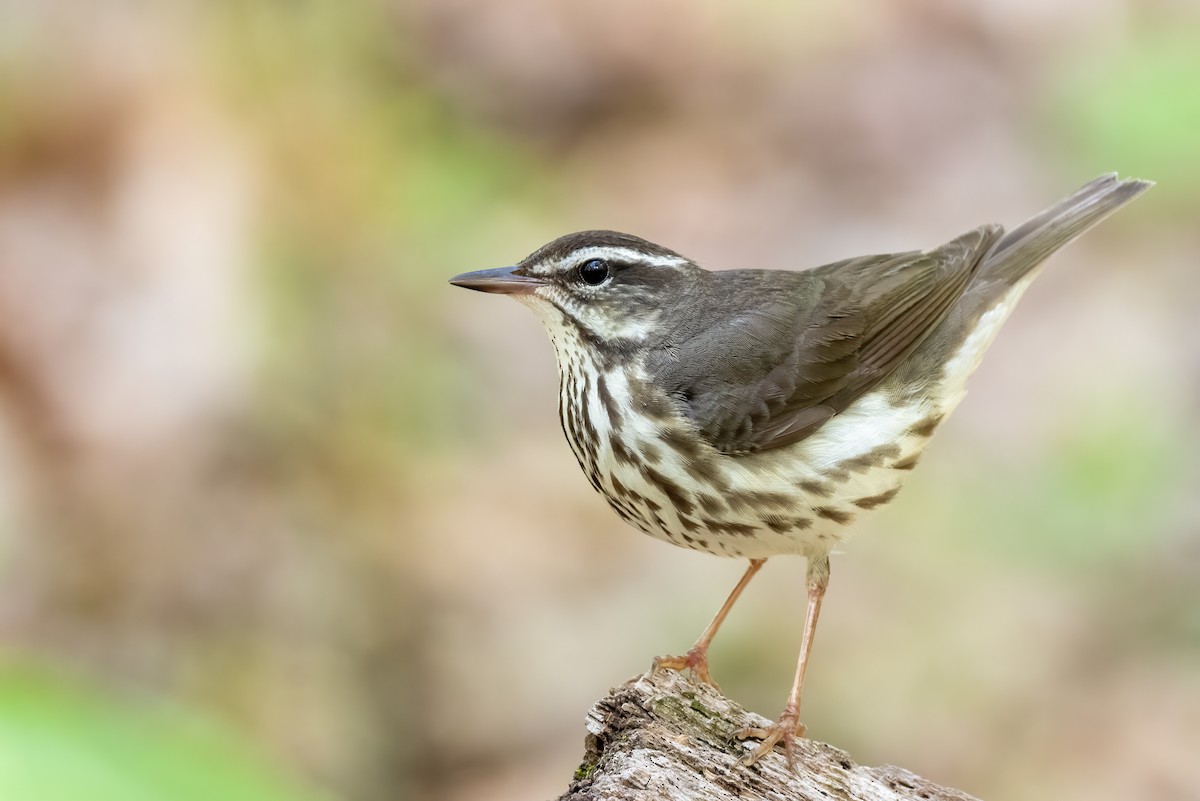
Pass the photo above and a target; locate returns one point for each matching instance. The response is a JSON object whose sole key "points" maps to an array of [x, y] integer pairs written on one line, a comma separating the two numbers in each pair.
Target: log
{"points": [[666, 738]]}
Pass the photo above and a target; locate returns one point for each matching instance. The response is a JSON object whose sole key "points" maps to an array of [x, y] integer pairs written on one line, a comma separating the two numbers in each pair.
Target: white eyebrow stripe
{"points": [[619, 254]]}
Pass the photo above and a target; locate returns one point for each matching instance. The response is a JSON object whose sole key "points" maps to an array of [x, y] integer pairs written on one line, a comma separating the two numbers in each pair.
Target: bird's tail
{"points": [[1007, 270], [1030, 243]]}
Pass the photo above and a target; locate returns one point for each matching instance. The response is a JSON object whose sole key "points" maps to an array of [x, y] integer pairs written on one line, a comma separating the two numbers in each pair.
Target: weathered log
{"points": [[665, 738]]}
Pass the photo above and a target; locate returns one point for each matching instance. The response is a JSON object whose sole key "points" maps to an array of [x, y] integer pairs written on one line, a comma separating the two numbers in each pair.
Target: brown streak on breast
{"points": [[872, 458], [606, 400], [710, 504], [620, 452], [679, 441], [725, 527], [814, 487], [779, 525], [836, 515], [650, 452], [876, 500], [649, 401], [755, 499], [591, 439], [676, 494], [926, 426]]}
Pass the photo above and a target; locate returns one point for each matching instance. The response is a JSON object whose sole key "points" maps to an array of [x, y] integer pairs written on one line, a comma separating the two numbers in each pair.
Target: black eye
{"points": [[594, 272]]}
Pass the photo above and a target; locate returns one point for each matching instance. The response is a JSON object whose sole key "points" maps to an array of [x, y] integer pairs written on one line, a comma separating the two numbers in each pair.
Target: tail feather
{"points": [[955, 348], [1030, 243]]}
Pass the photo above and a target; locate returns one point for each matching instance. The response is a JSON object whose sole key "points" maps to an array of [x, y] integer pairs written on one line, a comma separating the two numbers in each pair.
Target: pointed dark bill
{"points": [[502, 281]]}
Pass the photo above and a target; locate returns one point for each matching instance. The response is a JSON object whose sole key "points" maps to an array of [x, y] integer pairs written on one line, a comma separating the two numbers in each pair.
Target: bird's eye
{"points": [[594, 272]]}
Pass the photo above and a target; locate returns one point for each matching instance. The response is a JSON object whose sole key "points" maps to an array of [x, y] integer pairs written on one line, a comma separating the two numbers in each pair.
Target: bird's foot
{"points": [[694, 662], [786, 730]]}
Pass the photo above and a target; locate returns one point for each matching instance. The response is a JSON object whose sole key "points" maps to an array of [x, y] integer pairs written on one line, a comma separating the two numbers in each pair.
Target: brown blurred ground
{"points": [[258, 456]]}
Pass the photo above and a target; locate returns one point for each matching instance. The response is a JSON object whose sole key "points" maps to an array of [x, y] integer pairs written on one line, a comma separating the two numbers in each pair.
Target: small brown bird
{"points": [[754, 413]]}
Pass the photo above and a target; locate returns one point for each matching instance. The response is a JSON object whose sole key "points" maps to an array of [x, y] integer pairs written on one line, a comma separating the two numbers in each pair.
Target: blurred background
{"points": [[284, 516]]}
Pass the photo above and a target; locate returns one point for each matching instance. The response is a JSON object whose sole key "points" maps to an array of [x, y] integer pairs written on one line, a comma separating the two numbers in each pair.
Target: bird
{"points": [[760, 413]]}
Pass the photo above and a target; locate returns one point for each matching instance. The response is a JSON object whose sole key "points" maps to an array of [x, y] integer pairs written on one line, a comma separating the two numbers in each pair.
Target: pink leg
{"points": [[788, 727], [696, 659]]}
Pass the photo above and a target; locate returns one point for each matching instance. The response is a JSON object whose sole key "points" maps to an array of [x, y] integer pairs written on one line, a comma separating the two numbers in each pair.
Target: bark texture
{"points": [[665, 738]]}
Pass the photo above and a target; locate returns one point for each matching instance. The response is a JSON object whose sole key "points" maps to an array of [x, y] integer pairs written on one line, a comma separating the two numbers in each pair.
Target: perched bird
{"points": [[755, 413]]}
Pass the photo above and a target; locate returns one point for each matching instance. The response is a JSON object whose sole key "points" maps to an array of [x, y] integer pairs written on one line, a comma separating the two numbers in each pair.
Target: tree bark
{"points": [[665, 738]]}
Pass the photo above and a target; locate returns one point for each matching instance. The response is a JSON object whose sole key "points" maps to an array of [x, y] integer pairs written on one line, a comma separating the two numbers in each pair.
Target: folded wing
{"points": [[771, 375]]}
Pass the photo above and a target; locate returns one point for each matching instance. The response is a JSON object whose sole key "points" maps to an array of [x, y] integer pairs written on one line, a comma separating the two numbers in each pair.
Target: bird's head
{"points": [[600, 287]]}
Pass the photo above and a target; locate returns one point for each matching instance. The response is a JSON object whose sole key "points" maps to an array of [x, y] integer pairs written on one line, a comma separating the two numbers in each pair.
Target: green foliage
{"points": [[62, 742], [585, 770], [380, 190], [1135, 109]]}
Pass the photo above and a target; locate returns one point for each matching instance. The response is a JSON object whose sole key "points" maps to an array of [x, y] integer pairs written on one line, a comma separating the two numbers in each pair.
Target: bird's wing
{"points": [[772, 375]]}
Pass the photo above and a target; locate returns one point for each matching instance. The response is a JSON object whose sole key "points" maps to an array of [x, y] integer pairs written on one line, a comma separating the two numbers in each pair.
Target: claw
{"points": [[786, 730], [696, 660], [695, 663]]}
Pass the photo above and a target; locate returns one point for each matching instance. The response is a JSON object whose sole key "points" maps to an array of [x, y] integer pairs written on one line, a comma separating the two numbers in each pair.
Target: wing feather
{"points": [[817, 341]]}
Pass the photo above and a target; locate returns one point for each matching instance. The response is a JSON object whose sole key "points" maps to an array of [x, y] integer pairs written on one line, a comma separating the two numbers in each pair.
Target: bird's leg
{"points": [[788, 727], [696, 659]]}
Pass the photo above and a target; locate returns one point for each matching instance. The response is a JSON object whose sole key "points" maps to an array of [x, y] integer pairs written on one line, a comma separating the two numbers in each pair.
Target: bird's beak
{"points": [[502, 280]]}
